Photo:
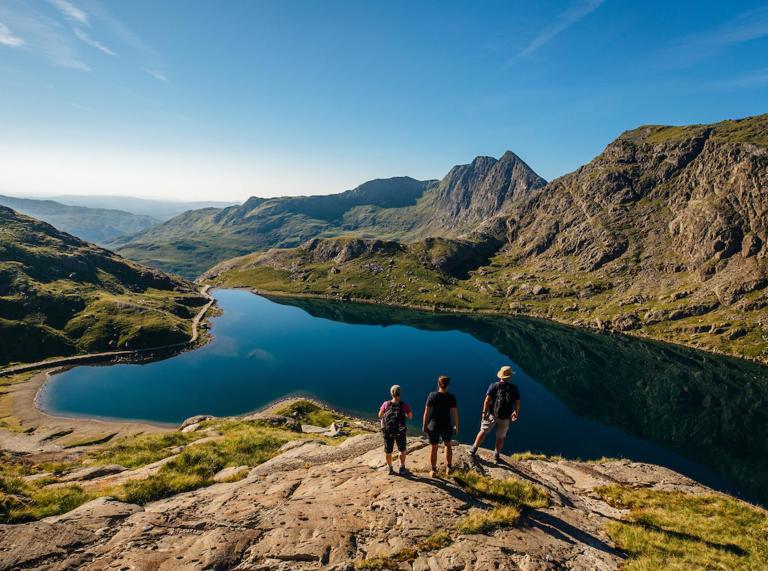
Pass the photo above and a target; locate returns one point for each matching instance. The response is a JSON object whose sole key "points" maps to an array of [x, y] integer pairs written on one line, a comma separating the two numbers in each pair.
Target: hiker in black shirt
{"points": [[501, 406], [441, 422]]}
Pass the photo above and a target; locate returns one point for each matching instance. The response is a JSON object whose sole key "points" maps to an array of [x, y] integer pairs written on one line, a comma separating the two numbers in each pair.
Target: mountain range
{"points": [[395, 208], [60, 295], [92, 224], [663, 235]]}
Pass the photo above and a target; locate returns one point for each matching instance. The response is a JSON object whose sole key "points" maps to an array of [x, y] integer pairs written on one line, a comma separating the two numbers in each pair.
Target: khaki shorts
{"points": [[489, 422]]}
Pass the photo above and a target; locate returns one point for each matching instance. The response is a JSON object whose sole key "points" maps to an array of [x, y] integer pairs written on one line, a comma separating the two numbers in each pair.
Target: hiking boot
{"points": [[390, 470], [472, 451], [448, 470], [403, 470], [497, 457], [433, 472]]}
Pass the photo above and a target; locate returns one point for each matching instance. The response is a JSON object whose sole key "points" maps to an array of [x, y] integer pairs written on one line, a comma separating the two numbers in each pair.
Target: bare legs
{"points": [[481, 436], [448, 455], [388, 456]]}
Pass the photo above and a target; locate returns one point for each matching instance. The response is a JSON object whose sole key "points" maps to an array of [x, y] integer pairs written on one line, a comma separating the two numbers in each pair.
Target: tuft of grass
{"points": [[436, 541], [509, 491], [678, 531], [484, 521], [308, 412], [536, 456]]}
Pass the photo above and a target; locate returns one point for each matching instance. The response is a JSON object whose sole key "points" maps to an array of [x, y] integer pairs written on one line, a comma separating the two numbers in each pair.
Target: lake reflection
{"points": [[585, 395]]}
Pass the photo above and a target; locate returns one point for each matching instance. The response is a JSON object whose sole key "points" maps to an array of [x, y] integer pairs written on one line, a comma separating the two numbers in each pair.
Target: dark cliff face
{"points": [[471, 194]]}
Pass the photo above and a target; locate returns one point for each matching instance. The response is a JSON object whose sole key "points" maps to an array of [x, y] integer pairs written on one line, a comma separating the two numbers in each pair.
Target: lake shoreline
{"points": [[490, 312]]}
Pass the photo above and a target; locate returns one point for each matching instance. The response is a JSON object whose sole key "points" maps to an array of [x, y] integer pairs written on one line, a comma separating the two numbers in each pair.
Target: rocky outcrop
{"points": [[470, 194], [325, 507]]}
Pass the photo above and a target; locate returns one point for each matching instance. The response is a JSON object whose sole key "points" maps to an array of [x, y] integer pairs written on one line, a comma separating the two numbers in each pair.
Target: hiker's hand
{"points": [[514, 417]]}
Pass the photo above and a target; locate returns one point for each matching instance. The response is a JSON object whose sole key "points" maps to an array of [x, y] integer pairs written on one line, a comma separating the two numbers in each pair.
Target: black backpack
{"points": [[504, 403], [393, 421]]}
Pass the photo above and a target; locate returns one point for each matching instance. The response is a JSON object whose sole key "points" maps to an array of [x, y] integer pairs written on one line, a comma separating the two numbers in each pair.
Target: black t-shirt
{"points": [[441, 404]]}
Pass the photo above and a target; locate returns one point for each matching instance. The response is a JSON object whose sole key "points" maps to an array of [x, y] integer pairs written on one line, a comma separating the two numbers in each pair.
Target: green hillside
{"points": [[60, 296]]}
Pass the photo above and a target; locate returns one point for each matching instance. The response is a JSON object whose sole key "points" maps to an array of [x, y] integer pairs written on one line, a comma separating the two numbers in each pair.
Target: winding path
{"points": [[108, 355]]}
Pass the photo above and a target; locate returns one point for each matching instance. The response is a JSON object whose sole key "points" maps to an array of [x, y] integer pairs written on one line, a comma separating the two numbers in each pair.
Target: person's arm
{"points": [[424, 419], [408, 412], [455, 414], [382, 410], [516, 413], [487, 405]]}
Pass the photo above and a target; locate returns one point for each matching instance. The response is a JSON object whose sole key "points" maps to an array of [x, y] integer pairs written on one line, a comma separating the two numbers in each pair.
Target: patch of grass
{"points": [[138, 451], [509, 491], [484, 521], [308, 412], [510, 498], [245, 444], [438, 540], [535, 456], [22, 501], [678, 531]]}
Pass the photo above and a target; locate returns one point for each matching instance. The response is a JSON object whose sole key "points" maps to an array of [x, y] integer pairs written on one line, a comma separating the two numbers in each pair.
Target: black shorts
{"points": [[389, 442], [444, 433]]}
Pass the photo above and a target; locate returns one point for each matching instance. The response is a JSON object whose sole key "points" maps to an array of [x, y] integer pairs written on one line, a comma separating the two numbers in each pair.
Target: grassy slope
{"points": [[60, 296]]}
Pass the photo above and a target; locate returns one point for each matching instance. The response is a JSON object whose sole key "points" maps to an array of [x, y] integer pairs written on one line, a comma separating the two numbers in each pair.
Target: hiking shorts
{"points": [[490, 422], [444, 433], [389, 442]]}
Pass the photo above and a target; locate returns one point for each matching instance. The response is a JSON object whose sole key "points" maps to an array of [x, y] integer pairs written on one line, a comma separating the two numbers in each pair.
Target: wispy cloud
{"points": [[58, 31], [745, 27], [7, 38], [158, 75], [41, 34], [70, 11], [93, 43], [755, 78], [577, 10]]}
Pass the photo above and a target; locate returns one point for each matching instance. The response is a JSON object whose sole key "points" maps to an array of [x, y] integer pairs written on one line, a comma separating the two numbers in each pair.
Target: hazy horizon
{"points": [[206, 101]]}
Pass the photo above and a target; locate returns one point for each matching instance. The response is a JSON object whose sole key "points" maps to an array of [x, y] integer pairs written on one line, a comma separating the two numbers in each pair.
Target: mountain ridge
{"points": [[395, 208], [661, 235]]}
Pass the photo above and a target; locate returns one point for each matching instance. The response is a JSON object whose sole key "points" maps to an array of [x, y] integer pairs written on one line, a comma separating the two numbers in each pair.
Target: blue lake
{"points": [[584, 395]]}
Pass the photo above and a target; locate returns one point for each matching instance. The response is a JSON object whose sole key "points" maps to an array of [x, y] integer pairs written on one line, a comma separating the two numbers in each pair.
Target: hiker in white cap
{"points": [[393, 414], [500, 407]]}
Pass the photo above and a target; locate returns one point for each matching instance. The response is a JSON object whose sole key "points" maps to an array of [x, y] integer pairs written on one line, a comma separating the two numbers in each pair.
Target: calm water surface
{"points": [[584, 395]]}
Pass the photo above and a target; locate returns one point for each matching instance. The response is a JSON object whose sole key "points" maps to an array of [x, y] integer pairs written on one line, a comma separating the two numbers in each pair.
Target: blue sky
{"points": [[222, 100]]}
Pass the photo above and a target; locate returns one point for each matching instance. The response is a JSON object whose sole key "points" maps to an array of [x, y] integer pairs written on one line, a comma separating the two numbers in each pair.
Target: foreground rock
{"points": [[316, 506]]}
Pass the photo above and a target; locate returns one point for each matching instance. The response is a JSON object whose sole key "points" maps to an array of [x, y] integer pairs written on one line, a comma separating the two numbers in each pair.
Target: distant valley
{"points": [[98, 225]]}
